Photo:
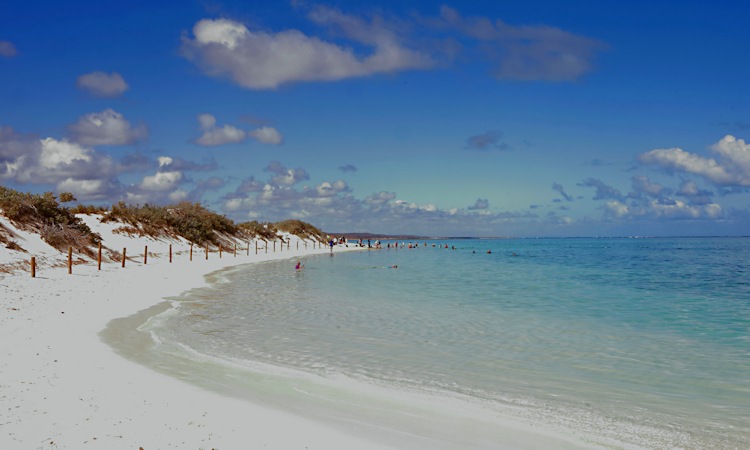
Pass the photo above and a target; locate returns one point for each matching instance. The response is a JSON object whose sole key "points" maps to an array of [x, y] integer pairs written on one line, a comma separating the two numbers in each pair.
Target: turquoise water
{"points": [[616, 342]]}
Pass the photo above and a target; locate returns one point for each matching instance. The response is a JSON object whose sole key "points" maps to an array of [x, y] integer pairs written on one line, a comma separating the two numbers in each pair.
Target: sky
{"points": [[534, 118]]}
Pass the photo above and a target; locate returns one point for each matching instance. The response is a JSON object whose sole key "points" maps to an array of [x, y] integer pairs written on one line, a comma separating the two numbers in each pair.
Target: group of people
{"points": [[333, 241]]}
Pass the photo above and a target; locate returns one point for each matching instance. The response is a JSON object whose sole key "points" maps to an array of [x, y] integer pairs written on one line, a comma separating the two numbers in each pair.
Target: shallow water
{"points": [[614, 342]]}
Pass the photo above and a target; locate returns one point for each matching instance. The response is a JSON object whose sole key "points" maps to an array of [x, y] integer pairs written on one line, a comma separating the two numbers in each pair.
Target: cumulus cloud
{"points": [[68, 166], [161, 181], [267, 135], [7, 49], [332, 206], [227, 134], [262, 60], [359, 46], [731, 169], [106, 128], [213, 135], [380, 198], [286, 177], [481, 203], [652, 201], [654, 209], [326, 189], [100, 84]]}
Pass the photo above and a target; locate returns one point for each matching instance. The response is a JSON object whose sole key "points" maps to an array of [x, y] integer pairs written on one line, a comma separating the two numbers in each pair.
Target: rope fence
{"points": [[220, 249]]}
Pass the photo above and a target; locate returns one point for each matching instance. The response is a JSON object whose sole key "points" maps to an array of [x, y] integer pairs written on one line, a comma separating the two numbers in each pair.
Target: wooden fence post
{"points": [[248, 248], [256, 246], [220, 250], [170, 252], [206, 252], [70, 260], [191, 251], [33, 267], [145, 255], [274, 245], [266, 245], [235, 249], [99, 258], [124, 253]]}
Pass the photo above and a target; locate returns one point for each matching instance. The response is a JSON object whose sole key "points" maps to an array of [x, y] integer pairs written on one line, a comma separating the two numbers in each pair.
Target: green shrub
{"points": [[300, 228], [265, 230], [44, 213], [189, 220], [88, 209]]}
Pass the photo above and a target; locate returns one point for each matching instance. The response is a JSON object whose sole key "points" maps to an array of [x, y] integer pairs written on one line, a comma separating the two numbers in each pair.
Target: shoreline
{"points": [[64, 387]]}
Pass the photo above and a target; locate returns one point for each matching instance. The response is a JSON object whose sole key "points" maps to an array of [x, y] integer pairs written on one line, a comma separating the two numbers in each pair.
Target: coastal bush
{"points": [[300, 228], [59, 226], [265, 230], [56, 224], [190, 220], [88, 209]]}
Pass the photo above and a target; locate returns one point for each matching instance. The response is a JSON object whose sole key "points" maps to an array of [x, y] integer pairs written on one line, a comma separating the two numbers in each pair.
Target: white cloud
{"points": [[286, 177], [655, 209], [161, 181], [679, 160], [213, 135], [206, 121], [90, 189], [737, 154], [7, 49], [178, 196], [355, 46], [164, 161], [106, 128], [61, 153], [102, 84], [260, 60], [326, 189], [267, 135], [379, 199], [68, 165], [224, 32], [221, 136], [732, 168]]}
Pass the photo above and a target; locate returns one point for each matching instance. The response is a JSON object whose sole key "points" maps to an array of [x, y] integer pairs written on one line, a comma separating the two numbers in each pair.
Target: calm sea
{"points": [[618, 343]]}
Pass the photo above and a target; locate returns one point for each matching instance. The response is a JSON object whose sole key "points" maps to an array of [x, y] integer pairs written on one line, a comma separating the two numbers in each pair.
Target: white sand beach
{"points": [[63, 387]]}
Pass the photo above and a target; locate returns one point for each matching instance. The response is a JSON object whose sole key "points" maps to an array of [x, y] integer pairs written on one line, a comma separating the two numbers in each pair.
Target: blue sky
{"points": [[534, 118]]}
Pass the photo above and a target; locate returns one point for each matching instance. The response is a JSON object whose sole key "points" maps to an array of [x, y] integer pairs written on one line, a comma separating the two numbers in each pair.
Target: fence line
{"points": [[123, 259]]}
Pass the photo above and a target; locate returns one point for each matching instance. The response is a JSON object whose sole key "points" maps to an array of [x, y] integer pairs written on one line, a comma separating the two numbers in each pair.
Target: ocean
{"points": [[594, 342]]}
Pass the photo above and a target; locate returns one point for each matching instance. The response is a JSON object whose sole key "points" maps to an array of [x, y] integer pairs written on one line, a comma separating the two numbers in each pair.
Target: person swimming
{"points": [[299, 266]]}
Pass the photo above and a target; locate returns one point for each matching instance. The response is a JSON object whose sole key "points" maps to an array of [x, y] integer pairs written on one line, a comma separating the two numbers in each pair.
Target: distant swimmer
{"points": [[489, 251], [299, 266]]}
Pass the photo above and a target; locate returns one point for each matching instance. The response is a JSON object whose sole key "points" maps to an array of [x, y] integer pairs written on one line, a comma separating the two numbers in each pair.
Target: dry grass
{"points": [[59, 227]]}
